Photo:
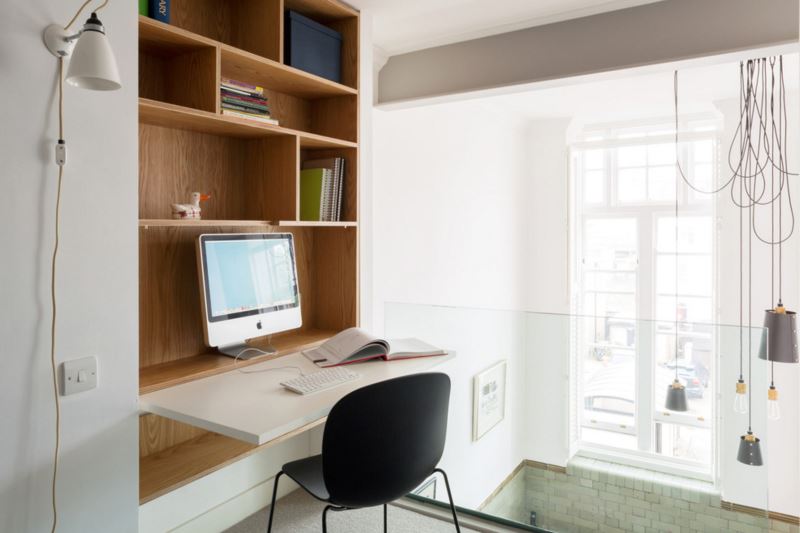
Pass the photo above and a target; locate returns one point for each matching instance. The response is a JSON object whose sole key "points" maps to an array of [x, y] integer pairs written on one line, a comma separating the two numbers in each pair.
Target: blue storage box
{"points": [[312, 47]]}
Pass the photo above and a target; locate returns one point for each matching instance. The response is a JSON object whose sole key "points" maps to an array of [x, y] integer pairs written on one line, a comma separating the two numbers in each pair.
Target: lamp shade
{"points": [[92, 65], [750, 450], [676, 397], [779, 340]]}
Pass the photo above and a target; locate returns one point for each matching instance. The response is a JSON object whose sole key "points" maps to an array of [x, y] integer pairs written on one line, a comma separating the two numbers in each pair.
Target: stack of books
{"points": [[243, 100], [321, 188]]}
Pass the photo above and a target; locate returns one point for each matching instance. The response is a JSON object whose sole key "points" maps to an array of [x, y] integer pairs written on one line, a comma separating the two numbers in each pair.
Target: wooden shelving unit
{"points": [[251, 171]]}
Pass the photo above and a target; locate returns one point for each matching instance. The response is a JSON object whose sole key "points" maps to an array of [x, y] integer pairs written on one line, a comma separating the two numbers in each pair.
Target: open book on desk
{"points": [[355, 345]]}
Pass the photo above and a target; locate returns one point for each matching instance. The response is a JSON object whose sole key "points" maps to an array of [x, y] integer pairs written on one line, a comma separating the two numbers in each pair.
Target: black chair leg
{"points": [[274, 497], [450, 496], [385, 520]]}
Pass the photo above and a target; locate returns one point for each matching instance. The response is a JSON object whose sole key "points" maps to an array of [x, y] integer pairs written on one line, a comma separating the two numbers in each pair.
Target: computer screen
{"points": [[248, 274]]}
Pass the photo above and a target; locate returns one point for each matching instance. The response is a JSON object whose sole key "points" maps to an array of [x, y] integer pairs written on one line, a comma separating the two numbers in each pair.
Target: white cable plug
{"points": [[61, 153]]}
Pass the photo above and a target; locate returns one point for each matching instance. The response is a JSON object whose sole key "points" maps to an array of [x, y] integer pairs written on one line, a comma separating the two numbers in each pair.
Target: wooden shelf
{"points": [[245, 65], [176, 223], [156, 377], [174, 116], [316, 224], [326, 10], [178, 465]]}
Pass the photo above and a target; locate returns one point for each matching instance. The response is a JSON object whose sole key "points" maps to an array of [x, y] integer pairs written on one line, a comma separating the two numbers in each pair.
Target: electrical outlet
{"points": [[78, 375]]}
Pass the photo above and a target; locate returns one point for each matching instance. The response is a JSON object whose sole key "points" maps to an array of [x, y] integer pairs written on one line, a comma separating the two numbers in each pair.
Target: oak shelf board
{"points": [[167, 115], [163, 375], [154, 35], [316, 224], [323, 9], [249, 67], [201, 223], [164, 471]]}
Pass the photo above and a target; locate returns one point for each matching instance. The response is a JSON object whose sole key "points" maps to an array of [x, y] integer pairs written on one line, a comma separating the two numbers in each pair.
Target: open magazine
{"points": [[355, 345]]}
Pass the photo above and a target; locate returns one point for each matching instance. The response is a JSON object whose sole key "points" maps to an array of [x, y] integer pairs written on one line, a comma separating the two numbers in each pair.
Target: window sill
{"points": [[643, 479]]}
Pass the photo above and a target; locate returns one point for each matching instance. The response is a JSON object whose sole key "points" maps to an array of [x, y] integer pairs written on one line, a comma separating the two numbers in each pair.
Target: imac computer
{"points": [[248, 287]]}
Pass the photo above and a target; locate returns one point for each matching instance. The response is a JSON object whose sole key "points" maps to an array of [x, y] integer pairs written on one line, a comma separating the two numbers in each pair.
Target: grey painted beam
{"points": [[664, 31]]}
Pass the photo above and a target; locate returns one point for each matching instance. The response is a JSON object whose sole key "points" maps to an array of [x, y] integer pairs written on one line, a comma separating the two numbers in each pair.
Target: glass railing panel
{"points": [[577, 430]]}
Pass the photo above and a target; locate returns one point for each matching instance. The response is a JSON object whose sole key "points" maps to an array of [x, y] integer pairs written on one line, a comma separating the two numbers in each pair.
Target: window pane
{"points": [[685, 442], [609, 395], [661, 184], [594, 159], [690, 309], [632, 156], [593, 186], [610, 281], [703, 151], [631, 185], [694, 234], [701, 177], [610, 243], [694, 274], [661, 154]]}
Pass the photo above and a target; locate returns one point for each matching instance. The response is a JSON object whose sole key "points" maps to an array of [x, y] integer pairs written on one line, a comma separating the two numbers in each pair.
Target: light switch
{"points": [[78, 375]]}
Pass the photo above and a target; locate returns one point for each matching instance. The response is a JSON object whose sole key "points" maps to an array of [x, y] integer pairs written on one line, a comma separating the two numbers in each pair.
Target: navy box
{"points": [[312, 47]]}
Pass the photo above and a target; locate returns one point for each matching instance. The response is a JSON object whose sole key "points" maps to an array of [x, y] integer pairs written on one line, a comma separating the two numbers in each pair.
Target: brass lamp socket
{"points": [[780, 309], [750, 437], [677, 385], [741, 387], [772, 394]]}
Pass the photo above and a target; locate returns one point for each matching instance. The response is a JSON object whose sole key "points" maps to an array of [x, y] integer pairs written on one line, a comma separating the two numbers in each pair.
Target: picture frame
{"points": [[488, 399]]}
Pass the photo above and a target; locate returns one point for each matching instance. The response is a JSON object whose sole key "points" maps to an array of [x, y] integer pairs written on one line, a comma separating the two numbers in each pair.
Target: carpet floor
{"points": [[300, 513]]}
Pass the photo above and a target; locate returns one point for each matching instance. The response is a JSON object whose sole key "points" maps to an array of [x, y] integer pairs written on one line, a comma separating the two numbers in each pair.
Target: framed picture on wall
{"points": [[488, 399]]}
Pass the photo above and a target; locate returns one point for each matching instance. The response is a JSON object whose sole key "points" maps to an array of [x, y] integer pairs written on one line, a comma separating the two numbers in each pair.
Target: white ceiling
{"points": [[401, 26]]}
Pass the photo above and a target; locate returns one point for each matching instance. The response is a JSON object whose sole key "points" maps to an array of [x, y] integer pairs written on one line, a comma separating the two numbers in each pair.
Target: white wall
{"points": [[450, 227], [97, 279]]}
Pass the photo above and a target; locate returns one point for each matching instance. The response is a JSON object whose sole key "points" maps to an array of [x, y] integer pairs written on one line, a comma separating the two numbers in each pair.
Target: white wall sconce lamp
{"points": [[92, 63]]}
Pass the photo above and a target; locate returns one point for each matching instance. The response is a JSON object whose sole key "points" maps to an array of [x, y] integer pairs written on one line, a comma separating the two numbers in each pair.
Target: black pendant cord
{"points": [[750, 321], [677, 192], [741, 280]]}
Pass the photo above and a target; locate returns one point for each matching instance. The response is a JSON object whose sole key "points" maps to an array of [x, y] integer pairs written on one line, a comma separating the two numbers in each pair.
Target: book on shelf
{"points": [[336, 166], [354, 345], [316, 185], [243, 100], [249, 116], [159, 10]]}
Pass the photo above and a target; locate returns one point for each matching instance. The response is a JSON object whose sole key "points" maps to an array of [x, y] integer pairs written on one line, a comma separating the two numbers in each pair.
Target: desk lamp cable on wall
{"points": [[92, 66]]}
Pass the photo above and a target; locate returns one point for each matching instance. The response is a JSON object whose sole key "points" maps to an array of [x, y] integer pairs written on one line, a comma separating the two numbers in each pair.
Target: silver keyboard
{"points": [[317, 381]]}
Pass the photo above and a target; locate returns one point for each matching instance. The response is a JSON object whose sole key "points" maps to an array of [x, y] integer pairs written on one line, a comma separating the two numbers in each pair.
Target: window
{"points": [[626, 296]]}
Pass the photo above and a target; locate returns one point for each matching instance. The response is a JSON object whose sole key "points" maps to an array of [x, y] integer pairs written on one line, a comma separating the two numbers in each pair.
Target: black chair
{"points": [[380, 442]]}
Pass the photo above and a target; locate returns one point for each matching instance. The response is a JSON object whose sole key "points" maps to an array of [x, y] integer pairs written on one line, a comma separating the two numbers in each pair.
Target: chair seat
{"points": [[308, 474]]}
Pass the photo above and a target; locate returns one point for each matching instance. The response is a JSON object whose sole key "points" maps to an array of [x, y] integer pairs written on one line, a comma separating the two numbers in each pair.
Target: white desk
{"points": [[255, 408]]}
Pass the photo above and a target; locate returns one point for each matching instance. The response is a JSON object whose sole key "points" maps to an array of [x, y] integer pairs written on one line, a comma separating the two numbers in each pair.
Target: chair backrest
{"points": [[383, 440]]}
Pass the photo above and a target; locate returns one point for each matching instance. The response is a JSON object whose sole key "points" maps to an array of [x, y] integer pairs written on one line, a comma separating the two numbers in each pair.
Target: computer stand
{"points": [[244, 351]]}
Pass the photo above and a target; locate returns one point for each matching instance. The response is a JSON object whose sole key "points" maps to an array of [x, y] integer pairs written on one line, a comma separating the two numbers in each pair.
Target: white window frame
{"points": [[648, 212]]}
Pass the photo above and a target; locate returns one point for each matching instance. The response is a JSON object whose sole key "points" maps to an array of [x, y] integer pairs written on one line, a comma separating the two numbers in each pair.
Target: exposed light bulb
{"points": [[773, 407], [740, 398]]}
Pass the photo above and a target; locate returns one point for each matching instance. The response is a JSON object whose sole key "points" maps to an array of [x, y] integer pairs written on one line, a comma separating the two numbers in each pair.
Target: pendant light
{"points": [[750, 445], [676, 392], [740, 398]]}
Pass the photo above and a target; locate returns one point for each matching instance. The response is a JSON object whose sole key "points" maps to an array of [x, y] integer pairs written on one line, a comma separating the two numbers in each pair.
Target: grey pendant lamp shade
{"points": [[750, 450], [779, 340], [676, 397]]}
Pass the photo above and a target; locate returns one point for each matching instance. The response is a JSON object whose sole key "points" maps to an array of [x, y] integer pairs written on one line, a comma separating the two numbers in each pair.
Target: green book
{"points": [[315, 184], [143, 7]]}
